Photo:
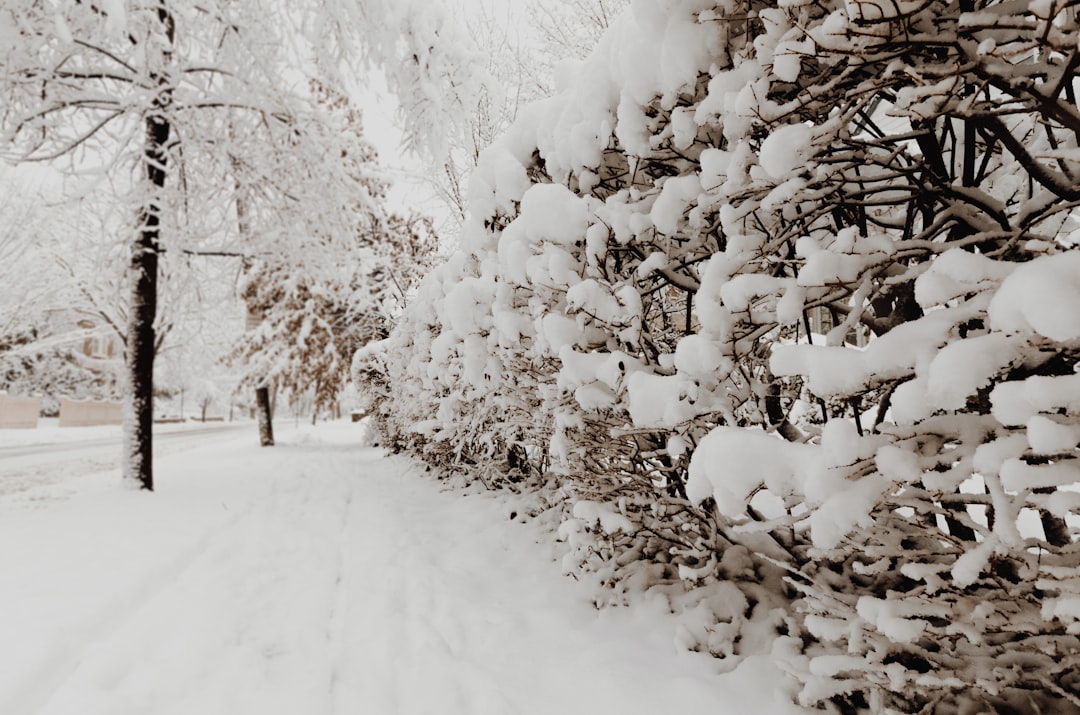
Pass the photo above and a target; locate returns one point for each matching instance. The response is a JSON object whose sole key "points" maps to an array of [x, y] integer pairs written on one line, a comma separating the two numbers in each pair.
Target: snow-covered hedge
{"points": [[634, 320]]}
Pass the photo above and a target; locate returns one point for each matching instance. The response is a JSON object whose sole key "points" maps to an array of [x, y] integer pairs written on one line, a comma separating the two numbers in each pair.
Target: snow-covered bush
{"points": [[631, 320]]}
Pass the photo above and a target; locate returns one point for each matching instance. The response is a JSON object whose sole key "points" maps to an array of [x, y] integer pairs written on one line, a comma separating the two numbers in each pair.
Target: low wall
{"points": [[19, 412], [88, 413]]}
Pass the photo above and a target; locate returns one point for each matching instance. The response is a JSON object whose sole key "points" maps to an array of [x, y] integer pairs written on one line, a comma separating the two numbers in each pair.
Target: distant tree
{"points": [[312, 324], [93, 277], [205, 393], [35, 363]]}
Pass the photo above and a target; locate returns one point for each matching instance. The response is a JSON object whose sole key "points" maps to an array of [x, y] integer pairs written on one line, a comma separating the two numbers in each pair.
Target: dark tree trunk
{"points": [[140, 337], [139, 418], [263, 414]]}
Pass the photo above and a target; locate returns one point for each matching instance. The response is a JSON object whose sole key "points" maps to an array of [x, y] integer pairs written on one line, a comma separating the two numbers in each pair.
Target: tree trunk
{"points": [[138, 432], [139, 413], [262, 412]]}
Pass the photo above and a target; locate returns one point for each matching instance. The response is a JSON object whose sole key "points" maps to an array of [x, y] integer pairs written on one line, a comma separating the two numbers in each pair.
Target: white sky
{"points": [[381, 128]]}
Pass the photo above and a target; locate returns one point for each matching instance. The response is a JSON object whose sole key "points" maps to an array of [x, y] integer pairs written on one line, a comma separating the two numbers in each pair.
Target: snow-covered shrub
{"points": [[631, 315]]}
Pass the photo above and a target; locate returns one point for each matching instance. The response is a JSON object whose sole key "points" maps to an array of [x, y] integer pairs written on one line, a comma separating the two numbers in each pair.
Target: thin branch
{"points": [[106, 53], [76, 143]]}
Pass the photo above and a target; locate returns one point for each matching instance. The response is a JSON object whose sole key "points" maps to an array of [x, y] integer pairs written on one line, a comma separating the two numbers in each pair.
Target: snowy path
{"points": [[315, 578]]}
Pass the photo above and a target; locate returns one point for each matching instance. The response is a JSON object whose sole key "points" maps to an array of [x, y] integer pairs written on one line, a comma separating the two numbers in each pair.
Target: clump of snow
{"points": [[961, 368], [604, 514], [677, 194], [1048, 436], [889, 619], [552, 212], [1018, 475], [498, 182], [730, 464], [701, 358], [714, 167], [899, 465], [660, 401], [1063, 609], [847, 370], [848, 507], [956, 273], [1017, 401], [786, 150], [989, 456], [1039, 296], [967, 569], [787, 60]]}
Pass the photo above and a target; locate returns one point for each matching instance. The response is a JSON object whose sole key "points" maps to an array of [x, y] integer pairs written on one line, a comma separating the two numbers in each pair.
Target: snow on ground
{"points": [[318, 577]]}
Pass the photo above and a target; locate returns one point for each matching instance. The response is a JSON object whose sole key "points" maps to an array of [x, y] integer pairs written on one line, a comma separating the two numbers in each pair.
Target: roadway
{"points": [[23, 466]]}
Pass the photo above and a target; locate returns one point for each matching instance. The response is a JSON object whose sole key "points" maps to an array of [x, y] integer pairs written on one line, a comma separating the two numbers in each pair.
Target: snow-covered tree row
{"points": [[789, 288]]}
